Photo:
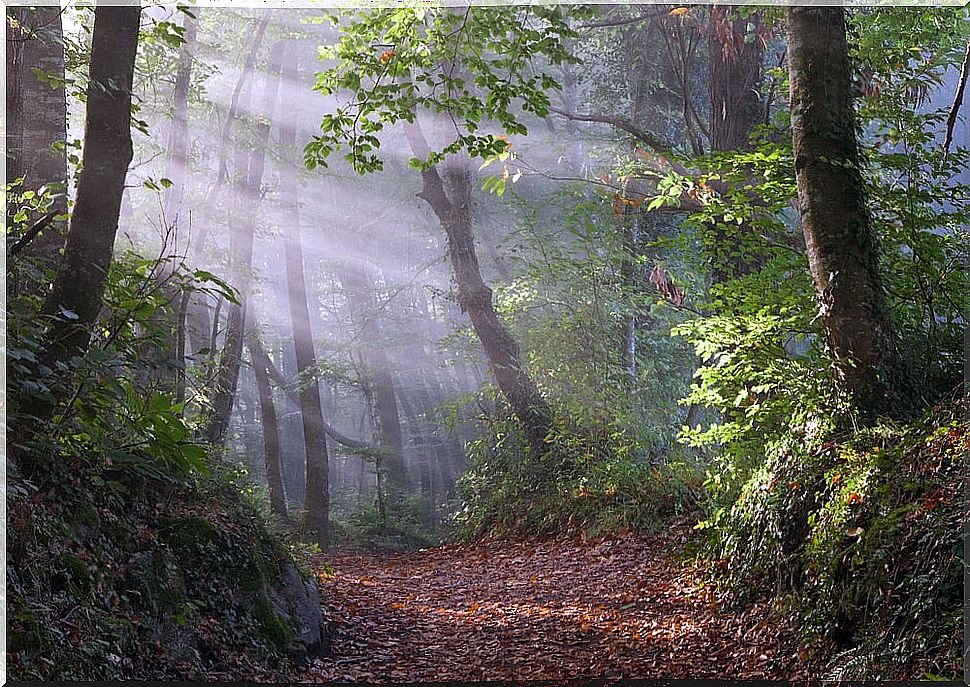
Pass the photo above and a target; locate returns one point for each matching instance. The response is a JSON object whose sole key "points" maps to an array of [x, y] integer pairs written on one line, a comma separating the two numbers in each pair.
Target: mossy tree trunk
{"points": [[836, 224]]}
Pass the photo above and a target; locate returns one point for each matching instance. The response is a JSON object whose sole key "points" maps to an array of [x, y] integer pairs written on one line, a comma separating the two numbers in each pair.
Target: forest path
{"points": [[554, 610]]}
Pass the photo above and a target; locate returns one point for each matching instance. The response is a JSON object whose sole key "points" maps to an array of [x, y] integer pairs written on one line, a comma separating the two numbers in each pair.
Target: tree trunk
{"points": [[317, 496], [835, 220], [735, 77], [475, 297], [360, 287], [736, 109], [271, 435], [37, 107], [250, 176], [79, 285]]}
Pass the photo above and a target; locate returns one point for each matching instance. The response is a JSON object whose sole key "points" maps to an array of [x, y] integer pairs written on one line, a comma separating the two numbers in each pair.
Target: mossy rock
{"points": [[276, 629]]}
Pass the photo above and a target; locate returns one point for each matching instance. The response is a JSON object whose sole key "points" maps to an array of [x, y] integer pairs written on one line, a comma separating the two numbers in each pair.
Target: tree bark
{"points": [[735, 77], [475, 297], [37, 107], [249, 178], [317, 495], [270, 425], [835, 220], [79, 285]]}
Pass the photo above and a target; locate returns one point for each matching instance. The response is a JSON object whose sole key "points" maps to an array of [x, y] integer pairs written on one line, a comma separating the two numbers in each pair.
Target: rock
{"points": [[297, 601]]}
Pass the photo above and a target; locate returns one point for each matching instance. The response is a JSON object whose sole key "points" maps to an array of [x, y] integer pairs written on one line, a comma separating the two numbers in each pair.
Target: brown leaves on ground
{"points": [[618, 608]]}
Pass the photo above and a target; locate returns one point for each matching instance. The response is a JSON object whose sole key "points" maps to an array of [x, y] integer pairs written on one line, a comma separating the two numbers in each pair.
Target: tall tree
{"points": [[454, 212], [380, 385], [735, 51], [835, 219], [75, 298], [270, 425], [249, 177], [317, 494], [37, 113]]}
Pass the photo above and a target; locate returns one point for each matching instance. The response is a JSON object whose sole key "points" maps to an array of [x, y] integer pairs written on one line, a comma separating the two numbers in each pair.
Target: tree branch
{"points": [[294, 398], [32, 233], [951, 119]]}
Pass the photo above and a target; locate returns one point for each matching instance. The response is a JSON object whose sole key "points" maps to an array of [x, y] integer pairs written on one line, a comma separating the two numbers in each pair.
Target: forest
{"points": [[416, 342]]}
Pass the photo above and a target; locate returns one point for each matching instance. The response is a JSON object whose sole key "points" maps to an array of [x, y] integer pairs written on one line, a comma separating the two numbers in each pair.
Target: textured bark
{"points": [[475, 297], [79, 285], [317, 495], [40, 118], [835, 220], [736, 109], [270, 426], [249, 171], [735, 77], [16, 37]]}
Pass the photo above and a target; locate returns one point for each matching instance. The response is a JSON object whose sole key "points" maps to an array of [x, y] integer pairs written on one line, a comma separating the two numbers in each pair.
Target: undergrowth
{"points": [[862, 542]]}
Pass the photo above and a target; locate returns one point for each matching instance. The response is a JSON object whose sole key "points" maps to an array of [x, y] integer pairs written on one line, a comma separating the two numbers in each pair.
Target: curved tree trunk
{"points": [[475, 297], [79, 285], [835, 220]]}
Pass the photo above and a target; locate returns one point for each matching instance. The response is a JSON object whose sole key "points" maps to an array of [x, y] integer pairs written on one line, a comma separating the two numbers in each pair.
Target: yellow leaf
{"points": [[677, 11]]}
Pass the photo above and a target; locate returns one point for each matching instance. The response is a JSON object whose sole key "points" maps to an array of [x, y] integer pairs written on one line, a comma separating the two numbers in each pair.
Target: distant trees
{"points": [[834, 214]]}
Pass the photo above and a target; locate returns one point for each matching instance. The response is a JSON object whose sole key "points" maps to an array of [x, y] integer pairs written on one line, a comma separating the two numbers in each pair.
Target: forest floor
{"points": [[614, 608]]}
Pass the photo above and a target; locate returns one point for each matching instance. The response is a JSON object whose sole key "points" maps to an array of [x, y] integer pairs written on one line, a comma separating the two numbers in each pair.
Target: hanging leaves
{"points": [[665, 286]]}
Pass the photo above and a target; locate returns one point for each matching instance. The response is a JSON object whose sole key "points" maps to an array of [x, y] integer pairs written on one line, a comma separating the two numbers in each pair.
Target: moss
{"points": [[275, 628], [188, 532], [86, 514], [72, 572], [24, 633]]}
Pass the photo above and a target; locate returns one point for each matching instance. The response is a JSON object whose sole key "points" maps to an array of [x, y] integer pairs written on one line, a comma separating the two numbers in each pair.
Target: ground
{"points": [[615, 608]]}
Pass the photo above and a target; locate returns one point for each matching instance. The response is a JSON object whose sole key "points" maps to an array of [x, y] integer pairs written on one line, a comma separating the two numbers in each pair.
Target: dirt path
{"points": [[617, 608]]}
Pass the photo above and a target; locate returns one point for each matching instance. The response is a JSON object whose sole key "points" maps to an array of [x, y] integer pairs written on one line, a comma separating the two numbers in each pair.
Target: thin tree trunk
{"points": [[359, 288], [75, 298], [250, 175], [835, 219], [317, 498], [268, 421], [475, 297]]}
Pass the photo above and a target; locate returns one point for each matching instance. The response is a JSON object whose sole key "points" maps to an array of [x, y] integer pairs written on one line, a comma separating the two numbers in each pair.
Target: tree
{"points": [[36, 137], [270, 426], [75, 298], [835, 219], [436, 62], [249, 167], [317, 495]]}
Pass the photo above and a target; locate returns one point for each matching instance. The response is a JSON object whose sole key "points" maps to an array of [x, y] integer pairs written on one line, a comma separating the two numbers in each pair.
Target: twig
{"points": [[951, 120], [32, 233]]}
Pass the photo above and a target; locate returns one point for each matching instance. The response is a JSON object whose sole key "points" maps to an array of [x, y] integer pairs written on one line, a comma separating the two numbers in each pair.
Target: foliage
{"points": [[476, 67], [596, 481], [398, 525], [118, 518]]}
